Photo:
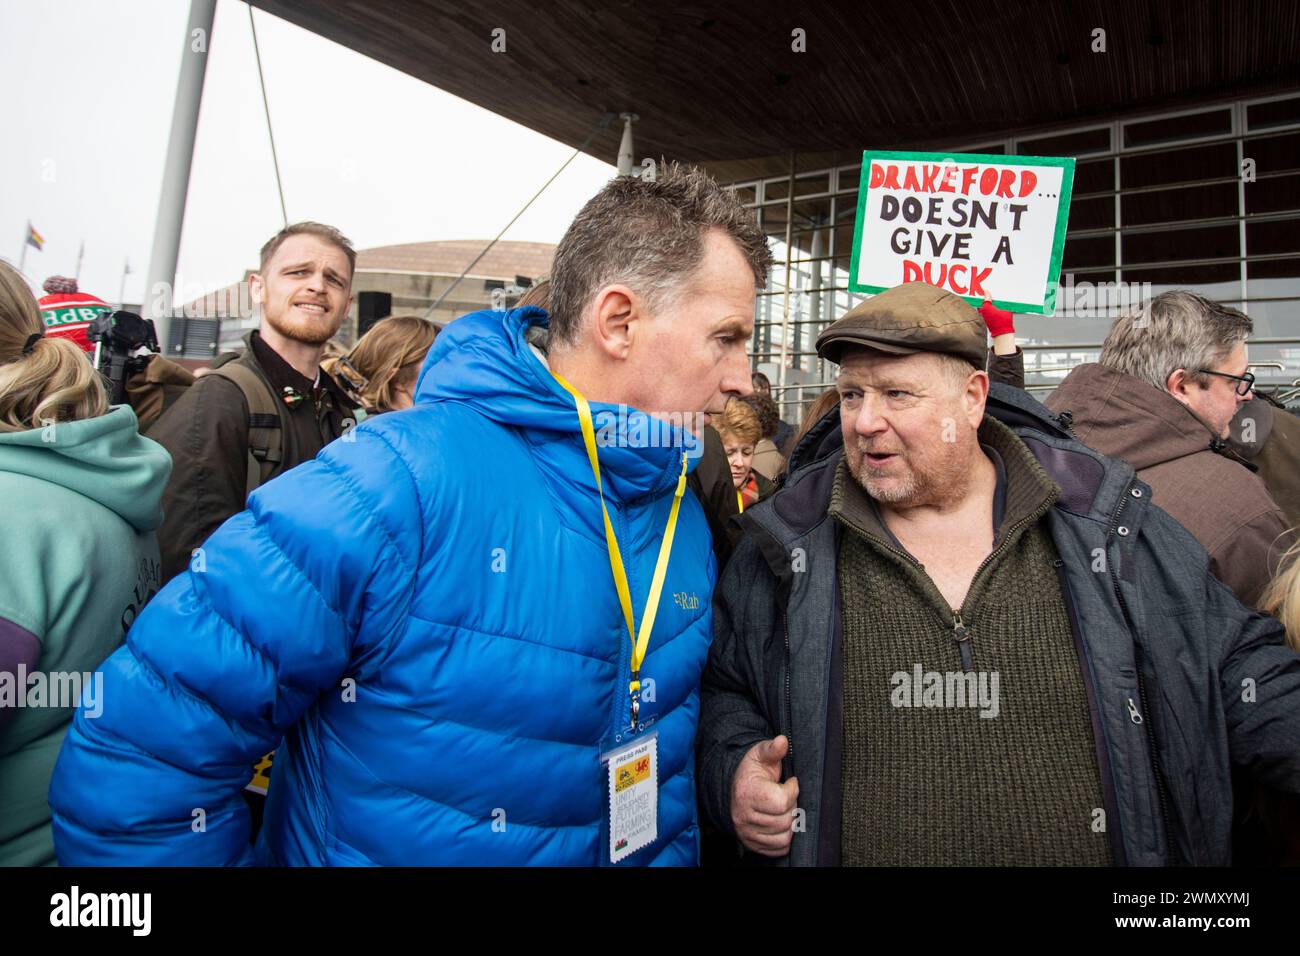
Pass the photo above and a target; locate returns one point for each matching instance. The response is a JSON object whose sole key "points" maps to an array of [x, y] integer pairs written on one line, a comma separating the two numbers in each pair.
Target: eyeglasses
{"points": [[1244, 382]]}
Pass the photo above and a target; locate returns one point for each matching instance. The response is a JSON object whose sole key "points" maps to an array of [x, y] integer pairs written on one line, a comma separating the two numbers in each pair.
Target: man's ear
{"points": [[256, 288], [1178, 384], [616, 310], [976, 396]]}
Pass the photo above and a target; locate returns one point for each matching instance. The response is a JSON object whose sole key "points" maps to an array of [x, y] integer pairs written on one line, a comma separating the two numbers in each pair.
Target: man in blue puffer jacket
{"points": [[425, 619]]}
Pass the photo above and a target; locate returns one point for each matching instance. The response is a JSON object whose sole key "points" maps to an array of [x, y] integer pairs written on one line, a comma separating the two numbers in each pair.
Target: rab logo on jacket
{"points": [[687, 602]]}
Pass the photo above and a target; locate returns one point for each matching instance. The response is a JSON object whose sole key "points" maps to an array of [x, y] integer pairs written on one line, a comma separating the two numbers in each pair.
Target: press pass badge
{"points": [[633, 797]]}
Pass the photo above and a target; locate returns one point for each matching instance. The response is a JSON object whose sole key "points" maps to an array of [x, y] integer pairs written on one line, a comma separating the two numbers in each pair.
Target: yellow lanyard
{"points": [[740, 502], [640, 639]]}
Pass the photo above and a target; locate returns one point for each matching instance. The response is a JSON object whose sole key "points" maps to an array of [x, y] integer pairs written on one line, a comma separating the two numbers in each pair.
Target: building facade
{"points": [[1204, 198]]}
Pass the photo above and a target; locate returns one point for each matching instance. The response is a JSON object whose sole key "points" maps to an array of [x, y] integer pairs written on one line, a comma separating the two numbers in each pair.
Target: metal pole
{"points": [[815, 292], [22, 254], [626, 155], [176, 172], [266, 106], [785, 300]]}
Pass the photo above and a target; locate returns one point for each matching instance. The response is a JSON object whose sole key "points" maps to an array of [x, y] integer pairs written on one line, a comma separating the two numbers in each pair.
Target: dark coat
{"points": [[712, 484], [1155, 632], [1269, 438], [206, 433], [1220, 501]]}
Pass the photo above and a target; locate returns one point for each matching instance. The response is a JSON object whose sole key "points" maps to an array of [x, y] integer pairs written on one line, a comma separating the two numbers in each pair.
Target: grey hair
{"points": [[648, 233], [1174, 330]]}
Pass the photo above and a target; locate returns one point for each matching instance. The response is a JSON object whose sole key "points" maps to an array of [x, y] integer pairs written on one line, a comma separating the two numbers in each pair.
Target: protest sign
{"points": [[981, 226]]}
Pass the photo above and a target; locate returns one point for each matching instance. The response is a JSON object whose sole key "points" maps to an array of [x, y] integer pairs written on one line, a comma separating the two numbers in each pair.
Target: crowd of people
{"points": [[557, 585]]}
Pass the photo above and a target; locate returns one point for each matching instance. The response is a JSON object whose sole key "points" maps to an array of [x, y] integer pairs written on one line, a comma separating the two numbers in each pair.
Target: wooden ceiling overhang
{"points": [[725, 83]]}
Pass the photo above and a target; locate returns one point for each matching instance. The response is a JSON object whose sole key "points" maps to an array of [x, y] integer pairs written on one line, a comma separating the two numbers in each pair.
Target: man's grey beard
{"points": [[900, 493], [915, 489]]}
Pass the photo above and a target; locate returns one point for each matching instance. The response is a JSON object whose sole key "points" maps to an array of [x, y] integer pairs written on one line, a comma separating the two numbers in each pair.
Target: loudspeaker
{"points": [[371, 307]]}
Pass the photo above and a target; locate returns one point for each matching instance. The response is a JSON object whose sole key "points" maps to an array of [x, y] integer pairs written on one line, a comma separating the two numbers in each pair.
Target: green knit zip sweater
{"points": [[927, 780]]}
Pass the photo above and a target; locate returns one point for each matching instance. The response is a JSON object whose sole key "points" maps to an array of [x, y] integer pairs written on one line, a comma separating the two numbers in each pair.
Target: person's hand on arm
{"points": [[739, 761], [1007, 363], [762, 807], [1002, 326]]}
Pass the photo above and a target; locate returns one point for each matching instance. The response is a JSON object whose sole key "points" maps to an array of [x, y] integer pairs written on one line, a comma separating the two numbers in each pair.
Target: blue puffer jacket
{"points": [[425, 614]]}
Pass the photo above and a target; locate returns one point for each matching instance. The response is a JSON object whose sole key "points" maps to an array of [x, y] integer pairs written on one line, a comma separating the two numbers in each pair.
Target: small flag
{"points": [[34, 238]]}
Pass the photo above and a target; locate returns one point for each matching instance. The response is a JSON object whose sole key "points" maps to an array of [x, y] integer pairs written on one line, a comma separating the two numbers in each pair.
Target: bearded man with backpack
{"points": [[271, 408]]}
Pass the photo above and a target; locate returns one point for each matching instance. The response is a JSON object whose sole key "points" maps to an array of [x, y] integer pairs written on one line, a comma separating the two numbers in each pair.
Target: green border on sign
{"points": [[1048, 305]]}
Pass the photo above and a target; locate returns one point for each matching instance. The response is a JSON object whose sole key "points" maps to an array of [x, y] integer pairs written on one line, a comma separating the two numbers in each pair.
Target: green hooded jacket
{"points": [[81, 501]]}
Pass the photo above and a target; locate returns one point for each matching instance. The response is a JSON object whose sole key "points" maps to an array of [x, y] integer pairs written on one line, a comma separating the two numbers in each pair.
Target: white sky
{"points": [[89, 91]]}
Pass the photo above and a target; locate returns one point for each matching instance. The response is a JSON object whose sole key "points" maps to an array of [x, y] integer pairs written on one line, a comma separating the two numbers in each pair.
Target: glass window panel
{"points": [[1212, 161], [1277, 279], [1273, 195], [1169, 245], [1066, 144], [1089, 252], [808, 185], [746, 194], [1273, 154], [1275, 113], [1172, 128], [773, 219], [1097, 176], [844, 241], [1266, 238], [1098, 213], [1222, 278], [846, 207], [1172, 205], [776, 189], [1275, 319], [1272, 269], [811, 212]]}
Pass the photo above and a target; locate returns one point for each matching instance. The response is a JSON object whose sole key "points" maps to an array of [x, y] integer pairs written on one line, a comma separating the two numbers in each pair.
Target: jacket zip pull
{"points": [[1133, 713], [634, 687], [961, 634]]}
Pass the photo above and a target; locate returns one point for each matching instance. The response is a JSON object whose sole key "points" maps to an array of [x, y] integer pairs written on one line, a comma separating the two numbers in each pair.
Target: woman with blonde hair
{"points": [[1282, 596], [82, 493], [740, 431], [1268, 829], [381, 369]]}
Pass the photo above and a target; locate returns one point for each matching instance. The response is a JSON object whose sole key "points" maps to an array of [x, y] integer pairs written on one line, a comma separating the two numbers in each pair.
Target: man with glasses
{"points": [[1170, 378]]}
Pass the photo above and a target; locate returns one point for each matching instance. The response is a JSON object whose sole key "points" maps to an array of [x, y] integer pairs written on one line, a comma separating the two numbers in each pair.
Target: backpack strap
{"points": [[265, 437]]}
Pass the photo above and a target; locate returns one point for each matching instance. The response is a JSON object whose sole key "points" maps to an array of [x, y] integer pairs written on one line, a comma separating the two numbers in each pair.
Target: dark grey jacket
{"points": [[1183, 682]]}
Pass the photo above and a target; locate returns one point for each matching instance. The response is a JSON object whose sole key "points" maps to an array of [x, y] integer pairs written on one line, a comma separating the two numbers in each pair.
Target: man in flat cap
{"points": [[956, 636]]}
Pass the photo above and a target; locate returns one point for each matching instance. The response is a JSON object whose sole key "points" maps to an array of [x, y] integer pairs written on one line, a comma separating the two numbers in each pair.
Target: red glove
{"points": [[999, 321]]}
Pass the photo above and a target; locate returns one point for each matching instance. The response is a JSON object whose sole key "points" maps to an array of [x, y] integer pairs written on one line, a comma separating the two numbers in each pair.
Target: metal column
{"points": [[158, 292], [785, 299]]}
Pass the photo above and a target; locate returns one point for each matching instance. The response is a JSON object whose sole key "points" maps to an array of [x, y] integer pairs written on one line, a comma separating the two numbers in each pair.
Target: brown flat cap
{"points": [[909, 318]]}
